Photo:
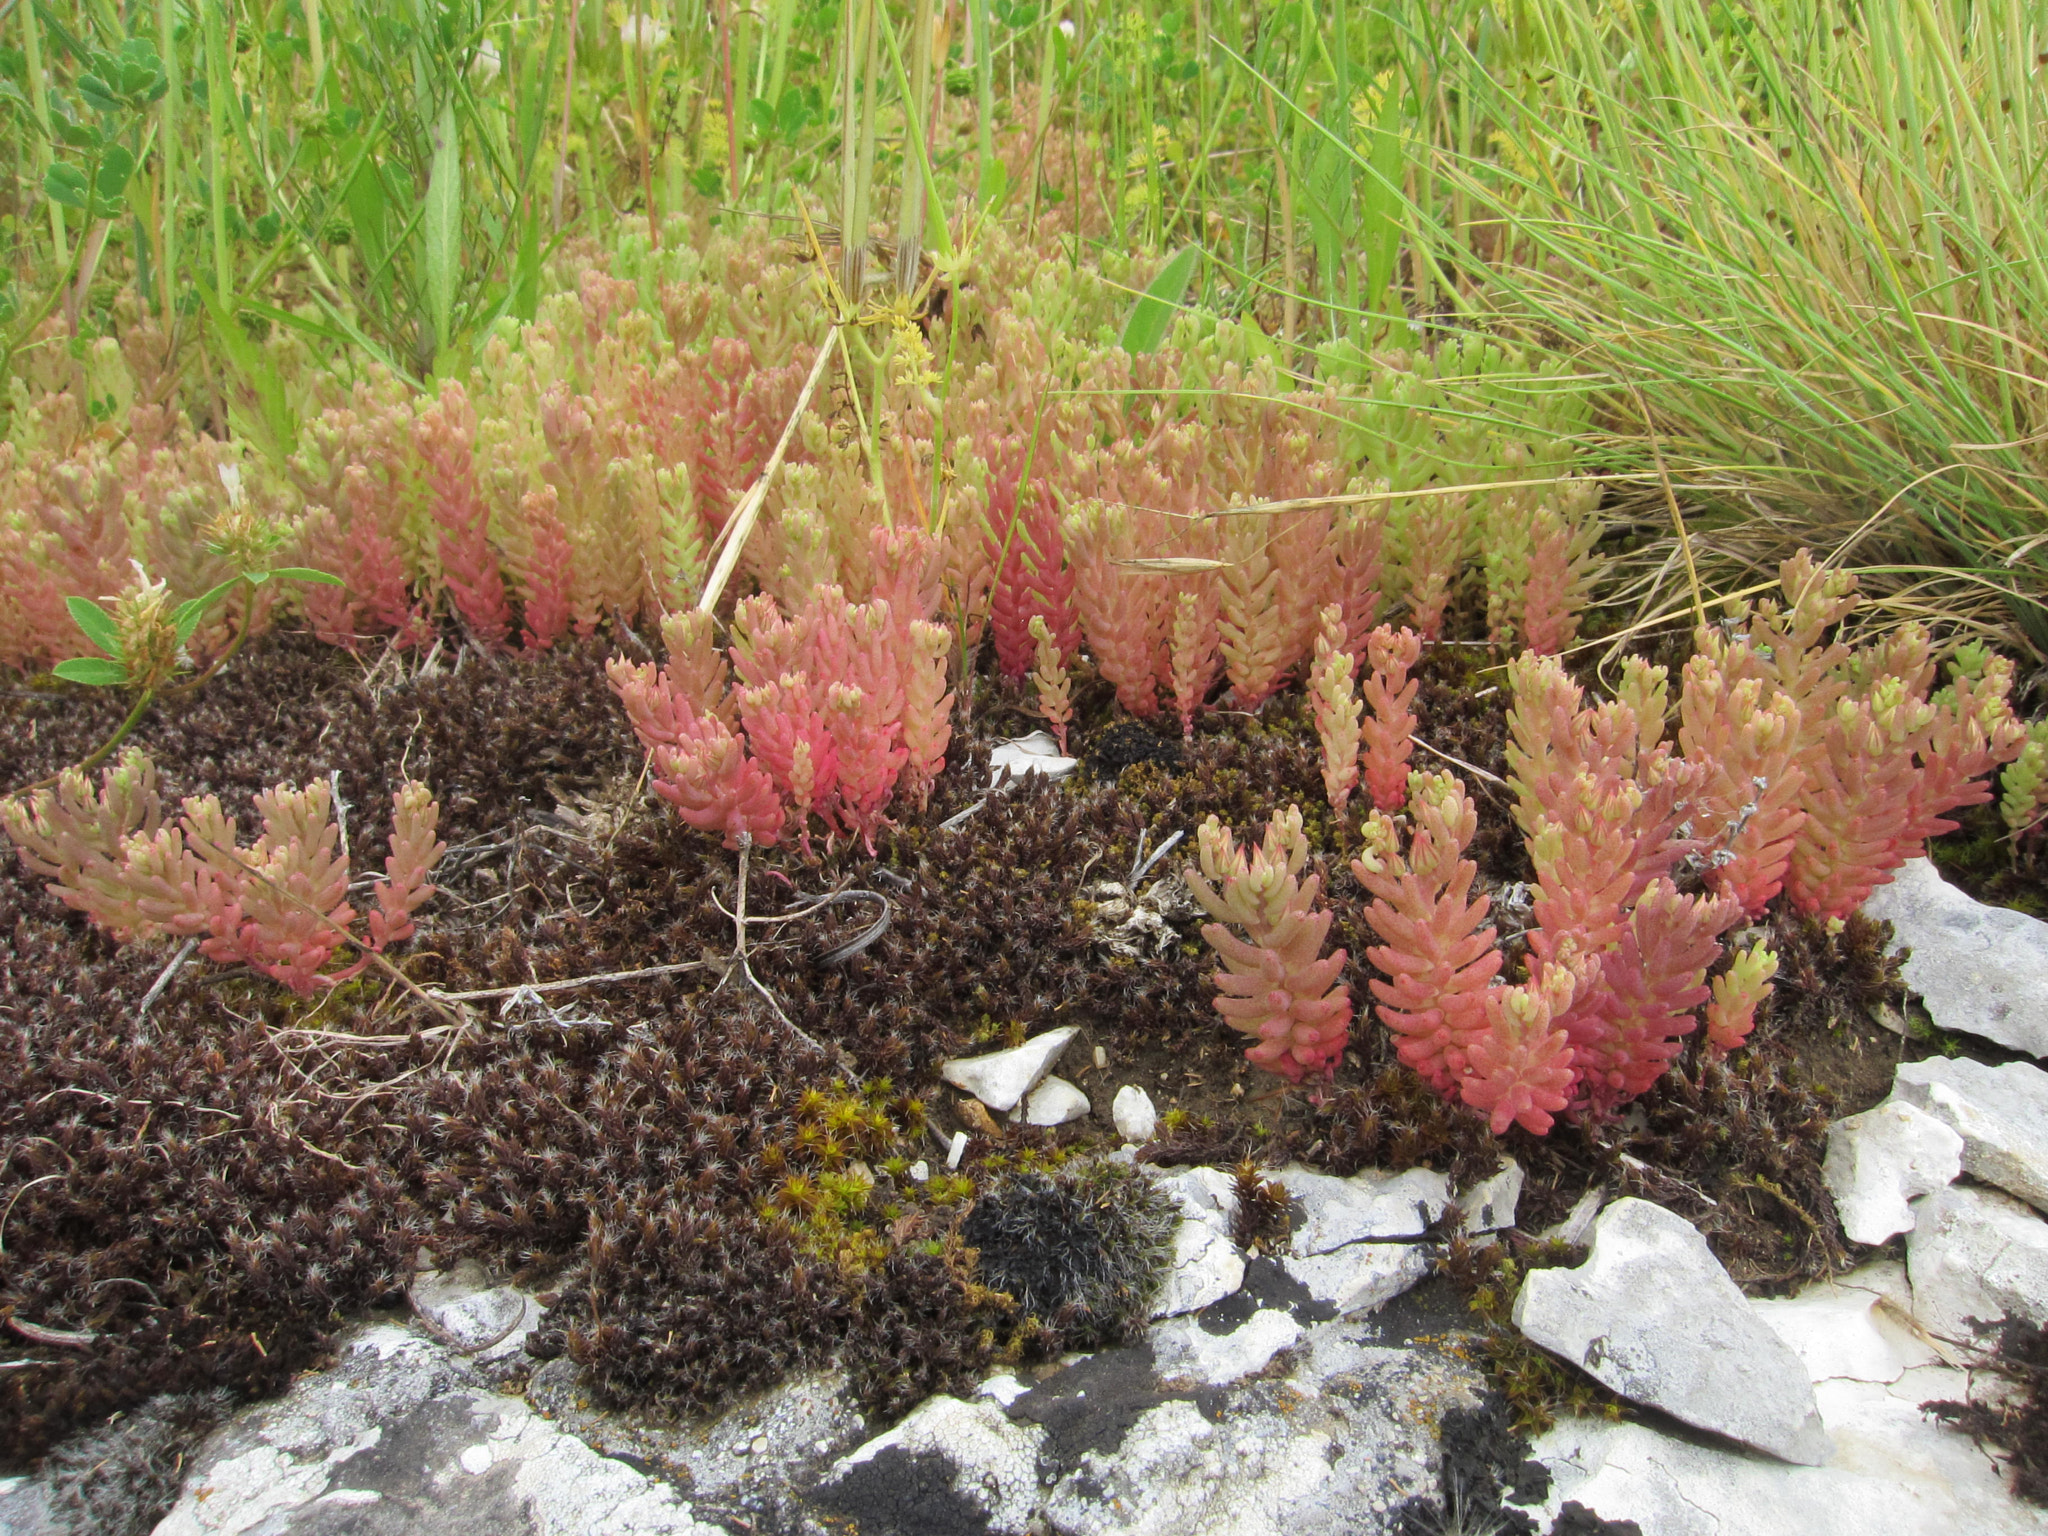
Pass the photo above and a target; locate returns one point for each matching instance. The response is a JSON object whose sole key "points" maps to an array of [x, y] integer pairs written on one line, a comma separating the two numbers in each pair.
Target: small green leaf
{"points": [[96, 623], [94, 671], [65, 184], [302, 573], [186, 615], [1152, 316], [116, 166]]}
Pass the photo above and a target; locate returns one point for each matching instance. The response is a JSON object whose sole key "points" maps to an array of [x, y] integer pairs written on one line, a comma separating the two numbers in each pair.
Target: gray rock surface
{"points": [[402, 1437], [2000, 1112], [1360, 1276], [489, 1322], [1976, 1253], [1001, 1079], [993, 1462], [1331, 1450], [1331, 1212], [1980, 970], [1206, 1265], [1182, 1349], [1885, 1157], [1653, 1316]]}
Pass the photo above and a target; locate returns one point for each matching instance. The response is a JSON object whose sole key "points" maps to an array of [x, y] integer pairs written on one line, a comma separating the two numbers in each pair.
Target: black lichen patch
{"points": [[1080, 1250], [1125, 744], [1090, 1406], [1483, 1468], [896, 1493], [1481, 1463]]}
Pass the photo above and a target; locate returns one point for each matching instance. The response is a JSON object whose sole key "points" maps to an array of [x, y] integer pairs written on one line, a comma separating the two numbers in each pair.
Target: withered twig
{"points": [[164, 978], [57, 1338], [739, 962], [454, 1345], [570, 984]]}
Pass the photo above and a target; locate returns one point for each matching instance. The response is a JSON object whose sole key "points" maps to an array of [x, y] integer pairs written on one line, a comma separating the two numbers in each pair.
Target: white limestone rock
{"points": [[1881, 1159], [1853, 1327], [1489, 1205], [1976, 1253], [1055, 1101], [1360, 1276], [1003, 1078], [1183, 1350], [491, 1320], [1653, 1316], [1332, 1212], [1206, 1265], [1980, 970], [1894, 1473], [400, 1426], [1133, 1113], [2001, 1113], [994, 1461]]}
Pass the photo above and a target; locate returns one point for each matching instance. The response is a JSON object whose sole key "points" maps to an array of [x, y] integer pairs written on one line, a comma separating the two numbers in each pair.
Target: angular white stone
{"points": [[1653, 1316], [1133, 1113], [1981, 970], [1361, 1276], [2000, 1112], [1577, 1225], [1976, 1253], [995, 1461], [1055, 1101], [1489, 1205], [1882, 1158], [1002, 1390], [1184, 1350], [1002, 1078], [1206, 1264], [1036, 753], [1333, 1211], [465, 1306]]}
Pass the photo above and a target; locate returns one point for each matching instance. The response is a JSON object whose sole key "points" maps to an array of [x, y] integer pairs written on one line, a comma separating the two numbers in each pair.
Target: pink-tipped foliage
{"points": [[1437, 949], [445, 435], [279, 906], [1273, 984], [1388, 728]]}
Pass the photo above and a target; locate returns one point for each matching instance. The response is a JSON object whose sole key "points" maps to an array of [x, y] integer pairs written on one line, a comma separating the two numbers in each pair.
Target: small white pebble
{"points": [[958, 1150], [760, 1445], [476, 1460], [1101, 1059], [920, 1171]]}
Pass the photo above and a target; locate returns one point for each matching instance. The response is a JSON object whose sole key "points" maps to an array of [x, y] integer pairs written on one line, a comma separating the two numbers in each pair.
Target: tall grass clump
{"points": [[1803, 246]]}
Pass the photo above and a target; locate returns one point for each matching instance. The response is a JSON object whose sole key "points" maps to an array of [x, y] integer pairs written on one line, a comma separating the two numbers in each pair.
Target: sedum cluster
{"points": [[279, 906], [1804, 765]]}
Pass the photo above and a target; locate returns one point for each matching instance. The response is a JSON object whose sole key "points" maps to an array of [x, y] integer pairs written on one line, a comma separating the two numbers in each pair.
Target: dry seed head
{"points": [[148, 633]]}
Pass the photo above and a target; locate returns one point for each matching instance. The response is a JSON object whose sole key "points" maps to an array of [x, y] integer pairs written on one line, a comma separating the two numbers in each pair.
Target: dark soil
{"points": [[707, 1198]]}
